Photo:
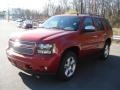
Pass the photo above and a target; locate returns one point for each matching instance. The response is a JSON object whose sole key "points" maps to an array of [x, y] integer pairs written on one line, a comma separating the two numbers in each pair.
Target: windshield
{"points": [[62, 22]]}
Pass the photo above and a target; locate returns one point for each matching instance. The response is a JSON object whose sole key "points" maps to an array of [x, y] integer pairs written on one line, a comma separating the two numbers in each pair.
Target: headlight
{"points": [[46, 49]]}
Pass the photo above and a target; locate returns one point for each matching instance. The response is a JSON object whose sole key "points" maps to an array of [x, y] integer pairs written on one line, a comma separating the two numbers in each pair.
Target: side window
{"points": [[87, 22], [106, 24], [98, 24]]}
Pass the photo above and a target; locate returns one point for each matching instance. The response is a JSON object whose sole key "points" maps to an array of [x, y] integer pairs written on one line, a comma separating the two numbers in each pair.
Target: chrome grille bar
{"points": [[25, 47]]}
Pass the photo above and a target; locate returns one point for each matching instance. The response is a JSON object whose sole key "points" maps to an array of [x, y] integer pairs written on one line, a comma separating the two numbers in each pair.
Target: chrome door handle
{"points": [[95, 36], [105, 34]]}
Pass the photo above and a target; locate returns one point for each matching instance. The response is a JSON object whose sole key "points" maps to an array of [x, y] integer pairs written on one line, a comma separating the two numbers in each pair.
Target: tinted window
{"points": [[98, 24], [106, 24], [88, 22], [63, 22]]}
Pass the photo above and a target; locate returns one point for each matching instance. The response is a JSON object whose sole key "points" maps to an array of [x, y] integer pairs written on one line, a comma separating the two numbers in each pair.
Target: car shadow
{"points": [[92, 74]]}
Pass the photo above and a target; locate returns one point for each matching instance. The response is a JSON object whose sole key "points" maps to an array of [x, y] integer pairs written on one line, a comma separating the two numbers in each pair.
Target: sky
{"points": [[24, 4]]}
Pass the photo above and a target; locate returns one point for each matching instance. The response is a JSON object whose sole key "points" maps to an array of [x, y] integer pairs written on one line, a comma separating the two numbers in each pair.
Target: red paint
{"points": [[87, 43]]}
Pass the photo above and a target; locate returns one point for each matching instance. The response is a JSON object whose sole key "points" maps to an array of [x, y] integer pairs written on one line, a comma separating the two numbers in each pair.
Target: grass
{"points": [[116, 31]]}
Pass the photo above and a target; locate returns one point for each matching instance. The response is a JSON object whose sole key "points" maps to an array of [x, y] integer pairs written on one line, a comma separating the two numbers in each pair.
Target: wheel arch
{"points": [[108, 41], [74, 49]]}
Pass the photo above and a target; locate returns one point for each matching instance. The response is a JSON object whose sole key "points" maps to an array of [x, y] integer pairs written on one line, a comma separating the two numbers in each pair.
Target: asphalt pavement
{"points": [[92, 74]]}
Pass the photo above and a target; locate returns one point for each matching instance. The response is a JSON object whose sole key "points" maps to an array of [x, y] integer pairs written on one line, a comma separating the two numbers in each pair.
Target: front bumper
{"points": [[34, 63]]}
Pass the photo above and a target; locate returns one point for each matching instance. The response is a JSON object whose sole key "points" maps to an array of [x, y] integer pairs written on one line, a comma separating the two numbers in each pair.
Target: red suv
{"points": [[57, 45]]}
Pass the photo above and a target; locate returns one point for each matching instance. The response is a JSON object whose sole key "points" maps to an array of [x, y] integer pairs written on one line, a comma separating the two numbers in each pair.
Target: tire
{"points": [[68, 66], [105, 51]]}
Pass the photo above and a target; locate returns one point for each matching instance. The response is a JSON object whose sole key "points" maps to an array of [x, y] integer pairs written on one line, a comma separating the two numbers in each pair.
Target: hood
{"points": [[36, 35]]}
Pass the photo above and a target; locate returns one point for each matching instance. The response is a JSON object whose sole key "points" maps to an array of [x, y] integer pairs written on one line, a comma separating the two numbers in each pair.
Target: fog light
{"points": [[28, 67]]}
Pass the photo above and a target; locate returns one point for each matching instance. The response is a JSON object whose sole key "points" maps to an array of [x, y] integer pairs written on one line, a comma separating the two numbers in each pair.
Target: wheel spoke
{"points": [[68, 61], [66, 72], [66, 66], [72, 62], [73, 67], [71, 72], [106, 52]]}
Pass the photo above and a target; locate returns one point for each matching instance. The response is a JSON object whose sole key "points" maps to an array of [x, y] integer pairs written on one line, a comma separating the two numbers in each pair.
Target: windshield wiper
{"points": [[54, 28], [50, 27], [41, 27]]}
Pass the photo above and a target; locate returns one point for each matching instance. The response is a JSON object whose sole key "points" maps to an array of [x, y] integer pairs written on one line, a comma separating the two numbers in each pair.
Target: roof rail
{"points": [[98, 15]]}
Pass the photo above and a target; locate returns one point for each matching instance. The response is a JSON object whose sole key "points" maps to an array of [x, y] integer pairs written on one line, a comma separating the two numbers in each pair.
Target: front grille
{"points": [[24, 47]]}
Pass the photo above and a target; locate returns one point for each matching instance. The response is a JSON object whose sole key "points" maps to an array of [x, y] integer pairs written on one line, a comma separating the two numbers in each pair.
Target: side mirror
{"points": [[89, 28]]}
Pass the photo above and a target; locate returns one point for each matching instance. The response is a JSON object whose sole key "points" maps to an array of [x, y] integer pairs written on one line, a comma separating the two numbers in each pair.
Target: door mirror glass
{"points": [[89, 28]]}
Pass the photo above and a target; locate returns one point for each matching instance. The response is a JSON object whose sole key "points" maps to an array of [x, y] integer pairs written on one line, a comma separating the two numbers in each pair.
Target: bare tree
{"points": [[107, 8]]}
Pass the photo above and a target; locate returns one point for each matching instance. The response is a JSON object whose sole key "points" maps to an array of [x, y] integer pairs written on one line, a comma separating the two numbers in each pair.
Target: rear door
{"points": [[100, 32], [88, 40]]}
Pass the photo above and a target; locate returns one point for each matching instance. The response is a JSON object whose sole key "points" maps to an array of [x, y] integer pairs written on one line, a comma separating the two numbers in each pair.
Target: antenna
{"points": [[77, 12]]}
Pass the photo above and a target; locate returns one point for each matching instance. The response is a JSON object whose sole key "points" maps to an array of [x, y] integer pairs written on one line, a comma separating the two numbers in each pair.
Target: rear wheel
{"points": [[68, 66], [105, 52]]}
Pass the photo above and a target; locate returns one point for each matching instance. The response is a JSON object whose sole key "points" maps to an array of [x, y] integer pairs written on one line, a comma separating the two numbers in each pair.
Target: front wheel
{"points": [[68, 66]]}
